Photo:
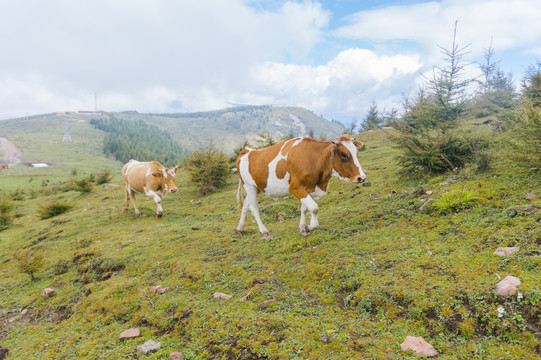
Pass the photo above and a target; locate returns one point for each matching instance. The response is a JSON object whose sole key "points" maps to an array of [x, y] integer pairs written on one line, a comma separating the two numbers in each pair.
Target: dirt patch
{"points": [[10, 152], [11, 319]]}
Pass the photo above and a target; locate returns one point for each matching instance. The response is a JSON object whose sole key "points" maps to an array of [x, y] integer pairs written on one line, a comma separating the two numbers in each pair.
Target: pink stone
{"points": [[508, 286], [176, 356], [506, 251], [222, 296], [130, 333], [419, 345], [530, 196], [48, 292]]}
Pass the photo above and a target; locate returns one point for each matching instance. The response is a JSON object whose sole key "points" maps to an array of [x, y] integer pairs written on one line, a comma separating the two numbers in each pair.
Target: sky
{"points": [[336, 58]]}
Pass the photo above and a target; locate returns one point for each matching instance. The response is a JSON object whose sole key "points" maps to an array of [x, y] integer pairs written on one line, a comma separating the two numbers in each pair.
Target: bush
{"points": [[424, 155], [53, 209], [209, 169], [6, 212], [104, 177], [457, 200], [526, 137], [29, 264]]}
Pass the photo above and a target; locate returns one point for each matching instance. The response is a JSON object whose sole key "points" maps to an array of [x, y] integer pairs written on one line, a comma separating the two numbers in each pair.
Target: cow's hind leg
{"points": [[126, 198], [132, 198], [251, 203]]}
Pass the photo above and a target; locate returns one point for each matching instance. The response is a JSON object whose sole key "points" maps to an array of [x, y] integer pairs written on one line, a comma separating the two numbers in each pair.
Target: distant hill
{"points": [[229, 127]]}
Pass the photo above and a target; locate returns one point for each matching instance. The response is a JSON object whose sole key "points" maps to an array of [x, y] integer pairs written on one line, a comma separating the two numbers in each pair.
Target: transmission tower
{"points": [[67, 136]]}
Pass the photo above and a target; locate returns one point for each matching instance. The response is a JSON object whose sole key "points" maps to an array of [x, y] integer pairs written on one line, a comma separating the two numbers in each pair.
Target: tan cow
{"points": [[150, 178], [302, 167]]}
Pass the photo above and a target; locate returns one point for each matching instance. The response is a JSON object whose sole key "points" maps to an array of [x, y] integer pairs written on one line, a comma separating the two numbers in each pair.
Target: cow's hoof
{"points": [[265, 237], [159, 216], [240, 232], [305, 233], [126, 209]]}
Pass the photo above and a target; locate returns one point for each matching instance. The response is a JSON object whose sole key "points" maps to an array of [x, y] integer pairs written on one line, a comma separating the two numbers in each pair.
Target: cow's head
{"points": [[167, 176], [345, 164]]}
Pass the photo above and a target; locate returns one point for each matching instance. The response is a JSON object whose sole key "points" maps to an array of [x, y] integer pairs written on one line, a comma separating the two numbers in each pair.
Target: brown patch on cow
{"points": [[258, 163], [281, 169], [344, 138]]}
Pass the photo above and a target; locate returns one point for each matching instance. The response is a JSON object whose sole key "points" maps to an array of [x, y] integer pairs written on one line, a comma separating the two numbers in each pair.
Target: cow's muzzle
{"points": [[173, 190], [360, 179]]}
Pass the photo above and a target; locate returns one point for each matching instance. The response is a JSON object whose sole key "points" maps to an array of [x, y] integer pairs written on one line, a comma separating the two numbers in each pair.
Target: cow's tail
{"points": [[239, 195]]}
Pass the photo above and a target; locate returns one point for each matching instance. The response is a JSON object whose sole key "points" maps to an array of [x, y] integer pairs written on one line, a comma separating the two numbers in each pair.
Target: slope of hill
{"points": [[40, 137], [376, 271], [40, 140], [230, 127]]}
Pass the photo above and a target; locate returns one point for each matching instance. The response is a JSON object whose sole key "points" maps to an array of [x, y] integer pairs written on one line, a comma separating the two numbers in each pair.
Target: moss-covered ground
{"points": [[375, 271]]}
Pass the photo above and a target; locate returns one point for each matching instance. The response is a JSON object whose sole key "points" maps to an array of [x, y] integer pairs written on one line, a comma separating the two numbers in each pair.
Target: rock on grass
{"points": [[419, 345], [222, 296], [149, 346], [176, 356], [130, 333], [508, 286], [506, 251], [48, 292]]}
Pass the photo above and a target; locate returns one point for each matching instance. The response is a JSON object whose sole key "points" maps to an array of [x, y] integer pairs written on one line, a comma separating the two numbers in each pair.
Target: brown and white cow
{"points": [[150, 178], [302, 167]]}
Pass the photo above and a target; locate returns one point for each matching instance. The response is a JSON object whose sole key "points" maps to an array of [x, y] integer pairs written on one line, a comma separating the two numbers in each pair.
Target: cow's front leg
{"points": [[302, 225], [307, 203], [158, 200], [314, 210]]}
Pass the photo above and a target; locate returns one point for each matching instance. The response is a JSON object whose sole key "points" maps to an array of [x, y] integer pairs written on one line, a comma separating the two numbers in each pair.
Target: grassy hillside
{"points": [[229, 127], [40, 137], [377, 270]]}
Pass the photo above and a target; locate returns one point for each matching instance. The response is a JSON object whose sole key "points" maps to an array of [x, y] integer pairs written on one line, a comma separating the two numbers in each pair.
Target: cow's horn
{"points": [[335, 142]]}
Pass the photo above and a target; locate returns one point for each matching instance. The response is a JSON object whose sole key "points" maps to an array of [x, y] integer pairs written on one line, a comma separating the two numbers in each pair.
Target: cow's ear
{"points": [[334, 151], [157, 174], [358, 144]]}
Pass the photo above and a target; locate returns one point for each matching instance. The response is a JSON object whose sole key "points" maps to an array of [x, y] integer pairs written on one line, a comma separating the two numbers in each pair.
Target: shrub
{"points": [[17, 195], [6, 212], [456, 201], [104, 177], [83, 185], [208, 168], [526, 137], [29, 264], [426, 155], [53, 209]]}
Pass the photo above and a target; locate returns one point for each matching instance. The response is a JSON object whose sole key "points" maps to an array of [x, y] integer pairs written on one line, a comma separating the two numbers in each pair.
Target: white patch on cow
{"points": [[277, 187], [297, 141], [317, 194], [336, 174], [244, 169], [148, 172], [353, 150]]}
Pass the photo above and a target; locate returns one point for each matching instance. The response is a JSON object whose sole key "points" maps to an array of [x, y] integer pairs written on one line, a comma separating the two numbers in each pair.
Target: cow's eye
{"points": [[345, 156]]}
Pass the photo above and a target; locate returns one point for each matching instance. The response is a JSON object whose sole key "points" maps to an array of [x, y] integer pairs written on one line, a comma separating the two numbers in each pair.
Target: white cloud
{"points": [[170, 55], [342, 87], [141, 54], [511, 24]]}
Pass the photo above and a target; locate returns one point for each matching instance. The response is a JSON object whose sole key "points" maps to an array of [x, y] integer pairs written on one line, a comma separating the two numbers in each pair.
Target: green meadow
{"points": [[376, 270]]}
